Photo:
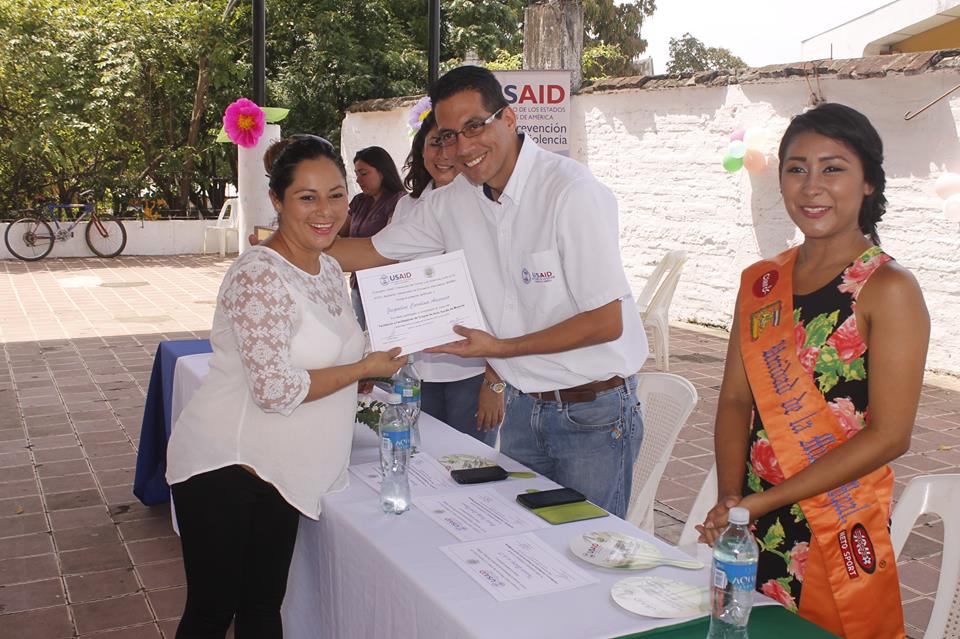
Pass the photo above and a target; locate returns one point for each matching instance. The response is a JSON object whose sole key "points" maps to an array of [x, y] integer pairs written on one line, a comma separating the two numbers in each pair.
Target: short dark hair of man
{"points": [[469, 78]]}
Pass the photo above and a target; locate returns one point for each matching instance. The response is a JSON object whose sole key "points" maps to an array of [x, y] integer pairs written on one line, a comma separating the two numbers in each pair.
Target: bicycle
{"points": [[31, 237]]}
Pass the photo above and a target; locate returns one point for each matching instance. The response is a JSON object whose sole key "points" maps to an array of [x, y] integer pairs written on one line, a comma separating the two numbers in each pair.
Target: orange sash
{"points": [[850, 586]]}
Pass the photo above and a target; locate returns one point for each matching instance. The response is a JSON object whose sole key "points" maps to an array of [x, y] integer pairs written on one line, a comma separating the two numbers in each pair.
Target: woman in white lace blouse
{"points": [[269, 431]]}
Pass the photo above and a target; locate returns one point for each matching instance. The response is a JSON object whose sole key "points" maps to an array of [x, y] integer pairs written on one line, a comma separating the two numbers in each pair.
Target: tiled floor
{"points": [[79, 556]]}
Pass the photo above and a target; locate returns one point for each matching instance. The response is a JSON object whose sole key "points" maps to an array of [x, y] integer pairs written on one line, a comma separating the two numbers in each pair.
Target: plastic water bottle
{"points": [[394, 456], [406, 383], [734, 573]]}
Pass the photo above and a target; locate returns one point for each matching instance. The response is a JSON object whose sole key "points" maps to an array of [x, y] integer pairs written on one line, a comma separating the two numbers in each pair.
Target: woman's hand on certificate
{"points": [[383, 363], [476, 343]]}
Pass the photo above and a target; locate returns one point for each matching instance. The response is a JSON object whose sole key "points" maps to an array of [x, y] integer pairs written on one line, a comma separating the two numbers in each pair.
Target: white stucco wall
{"points": [[161, 237], [660, 151]]}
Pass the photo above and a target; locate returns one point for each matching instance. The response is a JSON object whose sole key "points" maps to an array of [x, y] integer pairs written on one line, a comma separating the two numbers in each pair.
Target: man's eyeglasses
{"points": [[471, 129]]}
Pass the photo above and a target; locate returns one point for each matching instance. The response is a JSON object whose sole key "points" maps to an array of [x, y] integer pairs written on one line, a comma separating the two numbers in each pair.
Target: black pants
{"points": [[237, 535]]}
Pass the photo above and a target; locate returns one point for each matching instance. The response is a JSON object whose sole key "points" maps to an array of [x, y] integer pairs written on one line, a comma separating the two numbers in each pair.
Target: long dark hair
{"points": [[285, 155], [850, 127], [416, 177], [378, 158]]}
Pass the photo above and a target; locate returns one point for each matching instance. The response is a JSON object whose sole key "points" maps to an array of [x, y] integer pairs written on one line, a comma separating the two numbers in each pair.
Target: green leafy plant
{"points": [[368, 412]]}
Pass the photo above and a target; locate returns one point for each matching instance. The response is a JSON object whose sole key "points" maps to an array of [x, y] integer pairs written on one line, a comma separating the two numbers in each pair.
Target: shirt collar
{"points": [[521, 171]]}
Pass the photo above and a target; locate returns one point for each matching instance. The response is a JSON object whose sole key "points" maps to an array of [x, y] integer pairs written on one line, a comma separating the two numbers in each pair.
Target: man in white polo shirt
{"points": [[541, 237]]}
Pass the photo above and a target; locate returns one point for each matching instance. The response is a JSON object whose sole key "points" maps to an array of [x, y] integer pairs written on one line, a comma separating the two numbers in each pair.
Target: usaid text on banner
{"points": [[541, 100]]}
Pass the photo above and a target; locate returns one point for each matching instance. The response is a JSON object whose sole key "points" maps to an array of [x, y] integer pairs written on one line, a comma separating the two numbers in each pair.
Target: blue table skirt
{"points": [[150, 484]]}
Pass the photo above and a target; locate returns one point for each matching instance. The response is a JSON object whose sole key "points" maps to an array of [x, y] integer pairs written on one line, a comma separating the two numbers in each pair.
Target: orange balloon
{"points": [[754, 161]]}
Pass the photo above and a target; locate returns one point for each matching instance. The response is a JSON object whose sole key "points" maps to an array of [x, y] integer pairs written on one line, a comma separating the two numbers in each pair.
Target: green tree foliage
{"points": [[688, 54], [126, 97], [612, 40]]}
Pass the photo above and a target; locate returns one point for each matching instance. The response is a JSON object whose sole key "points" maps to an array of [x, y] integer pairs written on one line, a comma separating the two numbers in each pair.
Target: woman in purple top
{"points": [[371, 209]]}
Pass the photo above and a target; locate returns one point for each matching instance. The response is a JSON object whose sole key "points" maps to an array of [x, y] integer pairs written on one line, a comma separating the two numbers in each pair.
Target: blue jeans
{"points": [[588, 446], [456, 404]]}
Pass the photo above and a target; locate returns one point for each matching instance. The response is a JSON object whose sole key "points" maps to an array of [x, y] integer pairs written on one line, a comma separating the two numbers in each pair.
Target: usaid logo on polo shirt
{"points": [[393, 278], [537, 277]]}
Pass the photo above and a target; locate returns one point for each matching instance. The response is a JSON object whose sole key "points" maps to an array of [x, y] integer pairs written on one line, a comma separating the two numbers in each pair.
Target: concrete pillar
{"points": [[253, 186], [553, 37]]}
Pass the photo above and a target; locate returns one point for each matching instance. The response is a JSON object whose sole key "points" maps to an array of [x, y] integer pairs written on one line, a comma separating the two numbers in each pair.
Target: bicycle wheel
{"points": [[105, 235], [29, 239]]}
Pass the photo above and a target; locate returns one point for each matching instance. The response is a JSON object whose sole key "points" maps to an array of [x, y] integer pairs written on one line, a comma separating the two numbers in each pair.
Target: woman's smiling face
{"points": [[440, 168], [314, 206], [823, 185]]}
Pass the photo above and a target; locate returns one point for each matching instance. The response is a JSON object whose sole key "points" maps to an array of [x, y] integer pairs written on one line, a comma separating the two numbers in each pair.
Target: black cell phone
{"points": [[478, 475], [555, 497]]}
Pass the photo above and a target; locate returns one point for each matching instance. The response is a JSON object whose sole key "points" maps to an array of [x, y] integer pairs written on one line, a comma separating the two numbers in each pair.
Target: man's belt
{"points": [[577, 394]]}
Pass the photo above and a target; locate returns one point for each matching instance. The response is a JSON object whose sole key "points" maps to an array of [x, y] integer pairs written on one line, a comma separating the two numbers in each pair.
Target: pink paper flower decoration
{"points": [[419, 113], [243, 121]]}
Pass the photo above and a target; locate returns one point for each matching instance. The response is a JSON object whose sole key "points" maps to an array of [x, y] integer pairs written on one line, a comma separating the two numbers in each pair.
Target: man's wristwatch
{"points": [[496, 387]]}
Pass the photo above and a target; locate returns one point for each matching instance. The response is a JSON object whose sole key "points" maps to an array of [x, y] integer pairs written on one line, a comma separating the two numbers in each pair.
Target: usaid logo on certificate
{"points": [[393, 278], [537, 277]]}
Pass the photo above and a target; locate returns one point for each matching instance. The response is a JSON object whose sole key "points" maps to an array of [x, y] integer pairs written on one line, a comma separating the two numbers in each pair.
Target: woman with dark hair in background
{"points": [[372, 208], [821, 385], [453, 388], [269, 431]]}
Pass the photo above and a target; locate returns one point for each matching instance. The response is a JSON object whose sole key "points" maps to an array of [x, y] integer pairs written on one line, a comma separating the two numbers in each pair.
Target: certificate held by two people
{"points": [[415, 304]]}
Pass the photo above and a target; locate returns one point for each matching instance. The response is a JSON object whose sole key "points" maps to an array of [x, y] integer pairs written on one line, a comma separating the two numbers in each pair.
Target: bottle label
{"points": [[741, 576], [408, 393], [396, 439]]}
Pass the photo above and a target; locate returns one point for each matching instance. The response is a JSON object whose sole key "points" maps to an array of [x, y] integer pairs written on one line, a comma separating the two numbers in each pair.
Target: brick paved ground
{"points": [[79, 556]]}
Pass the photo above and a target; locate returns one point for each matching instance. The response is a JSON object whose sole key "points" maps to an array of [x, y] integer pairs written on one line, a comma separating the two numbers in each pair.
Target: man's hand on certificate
{"points": [[476, 343]]}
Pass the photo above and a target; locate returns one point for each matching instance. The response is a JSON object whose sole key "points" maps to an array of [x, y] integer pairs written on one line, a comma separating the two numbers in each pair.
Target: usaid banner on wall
{"points": [[541, 100]]}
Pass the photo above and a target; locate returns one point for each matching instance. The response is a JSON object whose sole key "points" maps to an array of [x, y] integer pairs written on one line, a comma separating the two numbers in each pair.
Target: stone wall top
{"points": [[876, 66]]}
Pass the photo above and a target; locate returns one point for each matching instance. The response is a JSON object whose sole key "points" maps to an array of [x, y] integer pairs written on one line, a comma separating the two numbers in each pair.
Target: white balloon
{"points": [[951, 208], [947, 184]]}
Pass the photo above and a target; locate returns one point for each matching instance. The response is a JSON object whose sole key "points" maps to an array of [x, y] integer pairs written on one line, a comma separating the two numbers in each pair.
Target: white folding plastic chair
{"points": [[705, 500], [227, 223], [940, 495], [666, 402], [653, 303]]}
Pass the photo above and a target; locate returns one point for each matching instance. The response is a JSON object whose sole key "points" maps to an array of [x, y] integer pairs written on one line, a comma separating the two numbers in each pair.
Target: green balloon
{"points": [[732, 164]]}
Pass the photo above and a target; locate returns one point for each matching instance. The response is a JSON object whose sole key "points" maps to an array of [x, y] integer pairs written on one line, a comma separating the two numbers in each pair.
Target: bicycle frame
{"points": [[89, 209]]}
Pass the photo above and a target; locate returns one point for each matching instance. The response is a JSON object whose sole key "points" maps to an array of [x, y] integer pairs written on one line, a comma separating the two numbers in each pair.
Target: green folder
{"points": [[565, 513]]}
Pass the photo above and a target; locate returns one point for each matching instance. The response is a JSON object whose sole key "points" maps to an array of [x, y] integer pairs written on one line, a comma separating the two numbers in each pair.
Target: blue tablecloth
{"points": [[150, 484]]}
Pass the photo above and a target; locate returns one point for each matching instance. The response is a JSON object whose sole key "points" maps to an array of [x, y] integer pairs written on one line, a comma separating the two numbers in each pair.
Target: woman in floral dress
{"points": [[860, 329]]}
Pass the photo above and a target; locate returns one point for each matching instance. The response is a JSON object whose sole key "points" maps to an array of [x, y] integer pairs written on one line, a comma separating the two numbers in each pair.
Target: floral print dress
{"points": [[831, 350]]}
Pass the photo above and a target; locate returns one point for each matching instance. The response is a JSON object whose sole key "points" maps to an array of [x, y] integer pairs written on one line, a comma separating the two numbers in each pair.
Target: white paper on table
{"points": [[427, 475], [478, 514], [654, 596], [516, 567], [415, 304]]}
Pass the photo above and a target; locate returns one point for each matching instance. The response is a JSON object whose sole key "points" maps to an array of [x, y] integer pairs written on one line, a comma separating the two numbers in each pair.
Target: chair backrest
{"points": [[662, 282], [666, 400], [229, 214], [706, 499], [939, 495]]}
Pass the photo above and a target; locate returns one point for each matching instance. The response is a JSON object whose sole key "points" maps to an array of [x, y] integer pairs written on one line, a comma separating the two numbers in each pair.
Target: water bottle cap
{"points": [[394, 398], [739, 516]]}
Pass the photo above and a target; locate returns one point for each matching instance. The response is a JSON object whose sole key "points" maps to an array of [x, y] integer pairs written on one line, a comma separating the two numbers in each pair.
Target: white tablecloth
{"points": [[358, 573]]}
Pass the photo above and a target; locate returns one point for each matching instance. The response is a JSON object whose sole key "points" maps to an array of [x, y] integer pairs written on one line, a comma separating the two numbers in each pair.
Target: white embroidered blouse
{"points": [[273, 323]]}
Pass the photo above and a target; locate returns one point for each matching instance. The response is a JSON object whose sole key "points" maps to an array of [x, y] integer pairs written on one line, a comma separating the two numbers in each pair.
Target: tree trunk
{"points": [[199, 101], [553, 37]]}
